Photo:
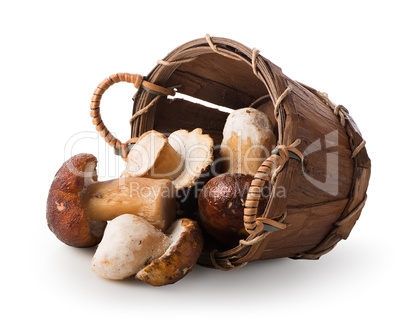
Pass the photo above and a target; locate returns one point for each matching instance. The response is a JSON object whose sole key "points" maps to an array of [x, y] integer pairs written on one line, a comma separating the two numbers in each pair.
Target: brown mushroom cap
{"points": [[221, 206], [65, 214], [179, 259]]}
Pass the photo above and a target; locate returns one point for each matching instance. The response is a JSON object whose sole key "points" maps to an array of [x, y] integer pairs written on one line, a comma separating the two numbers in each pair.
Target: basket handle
{"points": [[135, 79], [268, 171]]}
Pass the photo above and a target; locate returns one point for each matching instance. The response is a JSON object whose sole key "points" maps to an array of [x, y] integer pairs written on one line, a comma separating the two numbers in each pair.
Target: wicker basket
{"points": [[320, 162]]}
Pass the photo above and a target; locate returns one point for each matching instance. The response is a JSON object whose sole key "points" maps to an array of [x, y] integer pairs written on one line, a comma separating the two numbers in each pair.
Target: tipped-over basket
{"points": [[319, 172]]}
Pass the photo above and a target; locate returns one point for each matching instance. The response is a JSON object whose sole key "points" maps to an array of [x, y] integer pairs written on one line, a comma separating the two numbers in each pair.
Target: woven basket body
{"points": [[321, 198]]}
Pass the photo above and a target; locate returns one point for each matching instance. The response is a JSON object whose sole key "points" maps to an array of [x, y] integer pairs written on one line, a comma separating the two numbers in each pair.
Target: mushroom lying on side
{"points": [[129, 243], [78, 206], [133, 247], [179, 259]]}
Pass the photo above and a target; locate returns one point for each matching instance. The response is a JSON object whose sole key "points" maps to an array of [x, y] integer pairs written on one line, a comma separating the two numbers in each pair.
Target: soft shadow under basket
{"points": [[325, 186]]}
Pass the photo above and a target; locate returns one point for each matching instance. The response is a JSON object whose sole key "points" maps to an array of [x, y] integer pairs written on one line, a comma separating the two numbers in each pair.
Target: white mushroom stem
{"points": [[152, 199]]}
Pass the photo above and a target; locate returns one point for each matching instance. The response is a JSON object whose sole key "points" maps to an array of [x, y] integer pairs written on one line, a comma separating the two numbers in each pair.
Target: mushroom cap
{"points": [[65, 214], [129, 243], [179, 259], [196, 151], [248, 140], [221, 206], [252, 123]]}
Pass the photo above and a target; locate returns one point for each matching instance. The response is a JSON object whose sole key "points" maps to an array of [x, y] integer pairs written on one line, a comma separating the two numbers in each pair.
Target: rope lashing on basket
{"points": [[358, 149], [215, 49], [285, 93], [144, 109], [341, 112], [338, 111], [224, 264], [267, 172], [263, 235], [254, 61], [222, 260], [138, 82], [175, 62], [259, 100]]}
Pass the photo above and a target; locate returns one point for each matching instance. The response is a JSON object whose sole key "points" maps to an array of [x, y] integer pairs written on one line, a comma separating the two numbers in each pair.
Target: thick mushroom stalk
{"points": [[78, 207], [152, 199]]}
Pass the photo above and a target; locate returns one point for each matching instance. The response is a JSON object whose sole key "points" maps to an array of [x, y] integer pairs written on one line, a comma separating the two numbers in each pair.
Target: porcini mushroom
{"points": [[248, 140], [179, 259], [189, 154], [182, 157], [221, 206], [153, 156], [78, 206], [129, 243], [196, 151]]}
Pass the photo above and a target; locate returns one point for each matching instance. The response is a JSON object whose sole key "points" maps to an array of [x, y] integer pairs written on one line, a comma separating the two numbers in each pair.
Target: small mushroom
{"points": [[179, 259], [78, 206], [129, 243]]}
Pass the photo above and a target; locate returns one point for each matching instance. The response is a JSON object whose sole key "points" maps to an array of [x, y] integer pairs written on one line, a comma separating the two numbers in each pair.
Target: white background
{"points": [[53, 55]]}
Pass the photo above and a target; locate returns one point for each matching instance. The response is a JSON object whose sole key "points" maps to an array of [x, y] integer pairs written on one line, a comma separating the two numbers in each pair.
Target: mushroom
{"points": [[181, 157], [187, 157], [248, 140], [129, 243], [179, 259], [153, 156], [78, 206], [196, 151], [221, 206]]}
